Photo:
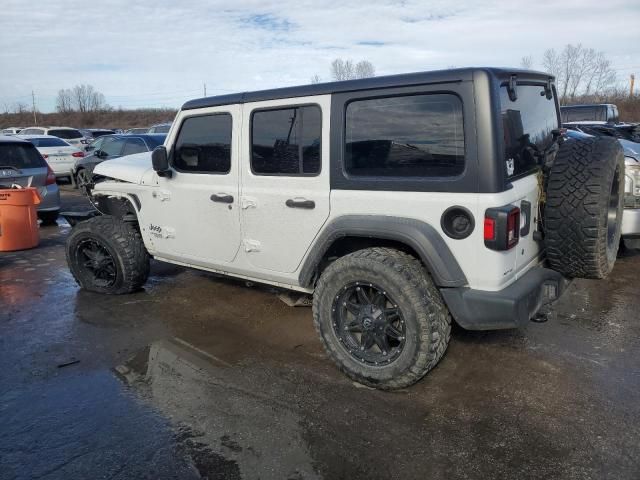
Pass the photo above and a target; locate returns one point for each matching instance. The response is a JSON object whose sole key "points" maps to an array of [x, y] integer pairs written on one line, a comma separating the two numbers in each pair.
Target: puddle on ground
{"points": [[222, 419]]}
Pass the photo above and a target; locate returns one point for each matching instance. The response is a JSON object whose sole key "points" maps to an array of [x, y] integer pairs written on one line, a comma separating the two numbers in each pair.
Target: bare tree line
{"points": [[348, 70], [81, 98], [579, 71]]}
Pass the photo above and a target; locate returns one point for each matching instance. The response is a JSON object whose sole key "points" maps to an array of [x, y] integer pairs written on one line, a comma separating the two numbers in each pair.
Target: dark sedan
{"points": [[109, 147]]}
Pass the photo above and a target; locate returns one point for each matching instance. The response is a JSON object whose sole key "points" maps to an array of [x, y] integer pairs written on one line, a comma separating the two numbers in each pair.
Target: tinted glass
{"points": [[48, 142], [155, 140], [112, 146], [527, 124], [65, 133], [20, 156], [204, 144], [100, 133], [286, 141], [134, 145], [408, 136]]}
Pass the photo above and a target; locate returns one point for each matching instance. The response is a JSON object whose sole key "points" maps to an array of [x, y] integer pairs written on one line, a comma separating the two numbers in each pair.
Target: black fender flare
{"points": [[420, 236]]}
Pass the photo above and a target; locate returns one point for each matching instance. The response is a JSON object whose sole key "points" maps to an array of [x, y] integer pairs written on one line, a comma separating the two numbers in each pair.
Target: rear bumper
{"points": [[49, 198], [510, 307], [630, 221]]}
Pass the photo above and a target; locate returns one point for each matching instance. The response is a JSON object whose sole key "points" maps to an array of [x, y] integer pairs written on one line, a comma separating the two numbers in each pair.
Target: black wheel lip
{"points": [[385, 360], [88, 273]]}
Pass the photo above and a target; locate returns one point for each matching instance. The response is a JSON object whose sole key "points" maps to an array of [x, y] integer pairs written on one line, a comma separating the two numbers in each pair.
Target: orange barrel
{"points": [[18, 218]]}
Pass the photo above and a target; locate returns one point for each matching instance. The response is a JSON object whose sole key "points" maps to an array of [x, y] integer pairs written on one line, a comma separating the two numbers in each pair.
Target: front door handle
{"points": [[222, 198], [300, 203]]}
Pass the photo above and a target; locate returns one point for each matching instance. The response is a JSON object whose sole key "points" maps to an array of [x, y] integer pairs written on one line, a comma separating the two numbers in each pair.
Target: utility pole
{"points": [[205, 89], [632, 81], [33, 99]]}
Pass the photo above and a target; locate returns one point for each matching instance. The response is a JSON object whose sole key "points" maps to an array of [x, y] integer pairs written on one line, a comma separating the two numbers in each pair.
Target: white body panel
{"points": [[60, 159], [257, 237]]}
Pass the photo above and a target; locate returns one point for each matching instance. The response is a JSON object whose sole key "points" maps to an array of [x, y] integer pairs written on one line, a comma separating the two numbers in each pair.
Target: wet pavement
{"points": [[200, 376]]}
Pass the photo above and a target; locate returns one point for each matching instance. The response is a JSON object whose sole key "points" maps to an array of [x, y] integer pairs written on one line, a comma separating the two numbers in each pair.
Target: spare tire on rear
{"points": [[583, 210]]}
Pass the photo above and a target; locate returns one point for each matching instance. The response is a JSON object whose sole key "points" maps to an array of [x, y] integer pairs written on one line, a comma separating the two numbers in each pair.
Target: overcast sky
{"points": [[159, 53]]}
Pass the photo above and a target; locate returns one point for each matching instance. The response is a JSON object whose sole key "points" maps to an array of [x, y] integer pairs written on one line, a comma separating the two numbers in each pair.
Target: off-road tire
{"points": [[580, 197], [124, 244], [427, 319], [49, 218]]}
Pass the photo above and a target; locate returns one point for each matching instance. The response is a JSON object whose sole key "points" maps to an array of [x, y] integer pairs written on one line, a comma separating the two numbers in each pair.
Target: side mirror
{"points": [[88, 148], [100, 154], [160, 161]]}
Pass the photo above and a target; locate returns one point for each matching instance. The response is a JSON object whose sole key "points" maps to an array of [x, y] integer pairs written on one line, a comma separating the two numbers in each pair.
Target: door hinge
{"points": [[251, 245], [248, 202]]}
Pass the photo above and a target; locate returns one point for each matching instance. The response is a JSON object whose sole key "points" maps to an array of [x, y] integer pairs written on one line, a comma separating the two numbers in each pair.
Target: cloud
{"points": [[159, 53]]}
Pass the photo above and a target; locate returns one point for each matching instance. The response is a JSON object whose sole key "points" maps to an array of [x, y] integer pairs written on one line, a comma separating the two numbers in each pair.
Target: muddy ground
{"points": [[199, 376]]}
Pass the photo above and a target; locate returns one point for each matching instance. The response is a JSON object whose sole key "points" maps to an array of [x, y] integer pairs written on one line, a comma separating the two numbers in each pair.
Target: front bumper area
{"points": [[510, 307]]}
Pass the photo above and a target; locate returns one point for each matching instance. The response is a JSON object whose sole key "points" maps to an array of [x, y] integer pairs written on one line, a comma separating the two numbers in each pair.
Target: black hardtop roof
{"points": [[386, 81]]}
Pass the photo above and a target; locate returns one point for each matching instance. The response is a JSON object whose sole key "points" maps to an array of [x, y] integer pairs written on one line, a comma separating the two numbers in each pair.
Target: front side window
{"points": [[405, 136], [286, 141], [527, 123], [112, 146], [204, 144]]}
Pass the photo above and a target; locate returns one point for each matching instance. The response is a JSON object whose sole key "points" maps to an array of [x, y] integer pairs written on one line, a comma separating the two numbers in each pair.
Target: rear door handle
{"points": [[300, 203], [222, 198]]}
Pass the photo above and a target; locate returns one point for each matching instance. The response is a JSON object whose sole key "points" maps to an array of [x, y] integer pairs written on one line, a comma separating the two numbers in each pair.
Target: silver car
{"points": [[21, 164]]}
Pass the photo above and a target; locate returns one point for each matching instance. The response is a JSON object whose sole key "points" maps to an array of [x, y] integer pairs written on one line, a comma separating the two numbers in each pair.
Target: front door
{"points": [[195, 212], [285, 180]]}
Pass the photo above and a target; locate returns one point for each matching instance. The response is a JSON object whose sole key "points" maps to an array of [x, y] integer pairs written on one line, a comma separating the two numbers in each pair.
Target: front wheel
{"points": [[107, 255], [381, 318], [83, 177]]}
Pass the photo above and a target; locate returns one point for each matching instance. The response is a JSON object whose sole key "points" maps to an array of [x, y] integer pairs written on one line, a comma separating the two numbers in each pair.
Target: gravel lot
{"points": [[199, 376]]}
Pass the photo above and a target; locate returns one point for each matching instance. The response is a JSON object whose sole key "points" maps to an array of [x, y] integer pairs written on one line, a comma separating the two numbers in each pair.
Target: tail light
{"points": [[502, 227], [51, 177], [77, 154]]}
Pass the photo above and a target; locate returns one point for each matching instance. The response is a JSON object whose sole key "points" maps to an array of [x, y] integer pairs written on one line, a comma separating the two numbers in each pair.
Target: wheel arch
{"points": [[353, 232]]}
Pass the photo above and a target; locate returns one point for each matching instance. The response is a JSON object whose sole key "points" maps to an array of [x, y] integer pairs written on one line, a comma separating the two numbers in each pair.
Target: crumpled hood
{"points": [[128, 169]]}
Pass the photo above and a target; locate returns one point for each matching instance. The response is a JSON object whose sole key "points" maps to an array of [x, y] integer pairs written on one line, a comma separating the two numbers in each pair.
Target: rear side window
{"points": [[48, 142], [527, 125], [405, 136], [286, 141], [134, 145], [20, 156], [71, 134], [204, 144]]}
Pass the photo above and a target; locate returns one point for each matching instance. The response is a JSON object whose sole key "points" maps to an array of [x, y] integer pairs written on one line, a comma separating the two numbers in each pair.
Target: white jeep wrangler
{"points": [[400, 202]]}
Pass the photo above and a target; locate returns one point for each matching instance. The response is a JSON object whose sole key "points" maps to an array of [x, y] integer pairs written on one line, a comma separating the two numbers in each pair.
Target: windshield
{"points": [[48, 142], [527, 123], [66, 133], [19, 155]]}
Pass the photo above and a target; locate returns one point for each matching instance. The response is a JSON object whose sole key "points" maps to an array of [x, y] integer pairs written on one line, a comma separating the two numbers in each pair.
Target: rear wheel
{"points": [[381, 318], [107, 255], [583, 211]]}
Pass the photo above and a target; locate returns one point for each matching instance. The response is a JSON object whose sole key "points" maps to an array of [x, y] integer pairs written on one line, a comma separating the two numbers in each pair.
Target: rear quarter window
{"points": [[405, 136], [20, 156], [69, 134]]}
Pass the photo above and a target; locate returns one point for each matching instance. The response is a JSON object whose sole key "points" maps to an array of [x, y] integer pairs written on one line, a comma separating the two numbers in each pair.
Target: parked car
{"points": [[136, 131], [603, 112], [21, 164], [599, 120], [160, 128], [109, 147], [10, 131], [72, 136], [630, 229], [92, 133], [400, 202], [59, 154]]}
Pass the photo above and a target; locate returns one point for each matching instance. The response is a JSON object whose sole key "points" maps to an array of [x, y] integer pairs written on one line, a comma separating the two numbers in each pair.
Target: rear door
{"points": [[528, 123], [285, 179]]}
